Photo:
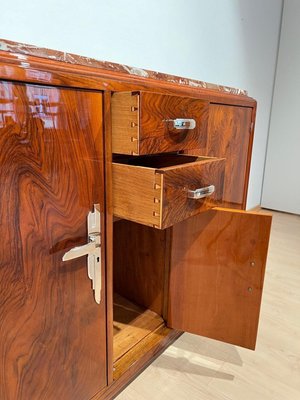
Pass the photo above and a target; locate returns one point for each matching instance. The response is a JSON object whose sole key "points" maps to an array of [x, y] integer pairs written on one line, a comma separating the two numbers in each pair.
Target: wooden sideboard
{"points": [[122, 221]]}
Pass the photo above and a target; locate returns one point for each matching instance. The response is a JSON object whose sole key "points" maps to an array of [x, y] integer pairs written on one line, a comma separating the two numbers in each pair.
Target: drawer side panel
{"points": [[137, 194]]}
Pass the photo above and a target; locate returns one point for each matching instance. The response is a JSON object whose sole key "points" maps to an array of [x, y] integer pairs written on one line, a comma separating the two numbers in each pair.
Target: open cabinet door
{"points": [[216, 277]]}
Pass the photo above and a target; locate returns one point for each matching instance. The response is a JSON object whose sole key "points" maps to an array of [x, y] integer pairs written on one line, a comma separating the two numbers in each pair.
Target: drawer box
{"points": [[158, 190], [151, 123]]}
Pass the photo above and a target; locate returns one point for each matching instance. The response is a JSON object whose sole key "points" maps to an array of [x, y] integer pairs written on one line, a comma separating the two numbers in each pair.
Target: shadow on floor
{"points": [[209, 348], [182, 364]]}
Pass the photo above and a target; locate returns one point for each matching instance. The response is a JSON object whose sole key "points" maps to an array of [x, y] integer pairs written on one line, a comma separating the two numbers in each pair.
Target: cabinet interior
{"points": [[139, 280]]}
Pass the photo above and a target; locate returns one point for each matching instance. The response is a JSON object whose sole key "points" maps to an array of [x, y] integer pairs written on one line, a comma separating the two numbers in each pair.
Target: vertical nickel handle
{"points": [[92, 250]]}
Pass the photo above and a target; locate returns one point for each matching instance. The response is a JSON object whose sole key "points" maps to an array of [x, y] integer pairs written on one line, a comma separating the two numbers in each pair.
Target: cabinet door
{"points": [[216, 278], [52, 332]]}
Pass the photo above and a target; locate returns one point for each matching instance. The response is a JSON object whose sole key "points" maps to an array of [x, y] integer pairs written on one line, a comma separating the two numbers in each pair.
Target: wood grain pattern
{"points": [[154, 338], [108, 239], [230, 135], [249, 157], [52, 72], [136, 194], [142, 355], [153, 190], [26, 49], [52, 333], [216, 277], [157, 135], [141, 123], [125, 122], [70, 335], [132, 324], [202, 369], [139, 270], [176, 206]]}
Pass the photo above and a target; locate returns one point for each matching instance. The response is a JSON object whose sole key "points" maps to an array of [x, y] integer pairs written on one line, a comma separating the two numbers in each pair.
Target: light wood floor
{"points": [[196, 368]]}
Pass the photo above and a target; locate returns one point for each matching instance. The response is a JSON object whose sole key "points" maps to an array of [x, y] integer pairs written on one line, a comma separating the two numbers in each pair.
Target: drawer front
{"points": [[161, 197], [182, 189], [151, 123]]}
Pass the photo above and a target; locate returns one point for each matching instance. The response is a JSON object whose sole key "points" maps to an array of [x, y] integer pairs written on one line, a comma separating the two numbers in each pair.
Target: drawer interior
{"points": [[159, 160]]}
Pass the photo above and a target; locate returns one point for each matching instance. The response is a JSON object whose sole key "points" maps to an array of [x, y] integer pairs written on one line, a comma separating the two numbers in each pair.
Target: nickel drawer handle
{"points": [[182, 123], [202, 192]]}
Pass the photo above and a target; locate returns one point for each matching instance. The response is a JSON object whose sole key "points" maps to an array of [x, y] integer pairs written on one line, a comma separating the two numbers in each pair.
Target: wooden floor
{"points": [[195, 368]]}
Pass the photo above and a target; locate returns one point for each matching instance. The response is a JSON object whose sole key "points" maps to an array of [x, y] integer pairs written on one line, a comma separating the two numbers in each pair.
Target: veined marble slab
{"points": [[30, 50]]}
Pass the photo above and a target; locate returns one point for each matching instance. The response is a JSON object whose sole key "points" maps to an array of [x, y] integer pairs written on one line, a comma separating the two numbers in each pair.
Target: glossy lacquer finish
{"points": [[143, 123], [230, 135], [52, 333], [216, 276], [25, 50]]}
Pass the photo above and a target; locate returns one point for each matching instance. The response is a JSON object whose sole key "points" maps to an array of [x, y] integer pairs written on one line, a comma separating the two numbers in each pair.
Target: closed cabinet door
{"points": [[52, 331], [217, 271]]}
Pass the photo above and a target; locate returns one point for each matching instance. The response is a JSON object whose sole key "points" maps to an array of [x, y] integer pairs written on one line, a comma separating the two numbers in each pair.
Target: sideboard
{"points": [[123, 222]]}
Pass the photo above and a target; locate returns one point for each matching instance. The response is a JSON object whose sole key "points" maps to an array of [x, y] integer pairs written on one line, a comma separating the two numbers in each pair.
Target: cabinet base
{"points": [[111, 391]]}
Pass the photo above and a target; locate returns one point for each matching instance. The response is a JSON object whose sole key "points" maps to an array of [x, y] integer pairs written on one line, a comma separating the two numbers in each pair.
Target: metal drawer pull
{"points": [[202, 192], [182, 123], [92, 250]]}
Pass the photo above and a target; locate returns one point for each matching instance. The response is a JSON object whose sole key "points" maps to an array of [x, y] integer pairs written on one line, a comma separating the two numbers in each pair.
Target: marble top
{"points": [[30, 50]]}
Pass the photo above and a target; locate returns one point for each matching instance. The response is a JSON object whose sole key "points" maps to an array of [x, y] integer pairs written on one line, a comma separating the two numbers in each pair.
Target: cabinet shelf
{"points": [[136, 330]]}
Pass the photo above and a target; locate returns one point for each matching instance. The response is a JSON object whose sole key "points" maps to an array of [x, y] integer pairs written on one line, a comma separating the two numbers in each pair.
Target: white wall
{"points": [[231, 42], [281, 189]]}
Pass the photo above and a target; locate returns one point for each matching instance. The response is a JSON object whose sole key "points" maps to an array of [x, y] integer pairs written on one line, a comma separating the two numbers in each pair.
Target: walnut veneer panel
{"points": [[139, 254], [216, 276], [52, 332], [176, 206], [230, 134], [141, 123]]}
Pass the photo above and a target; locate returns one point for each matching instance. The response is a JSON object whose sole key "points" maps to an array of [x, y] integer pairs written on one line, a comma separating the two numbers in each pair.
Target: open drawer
{"points": [[162, 190]]}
